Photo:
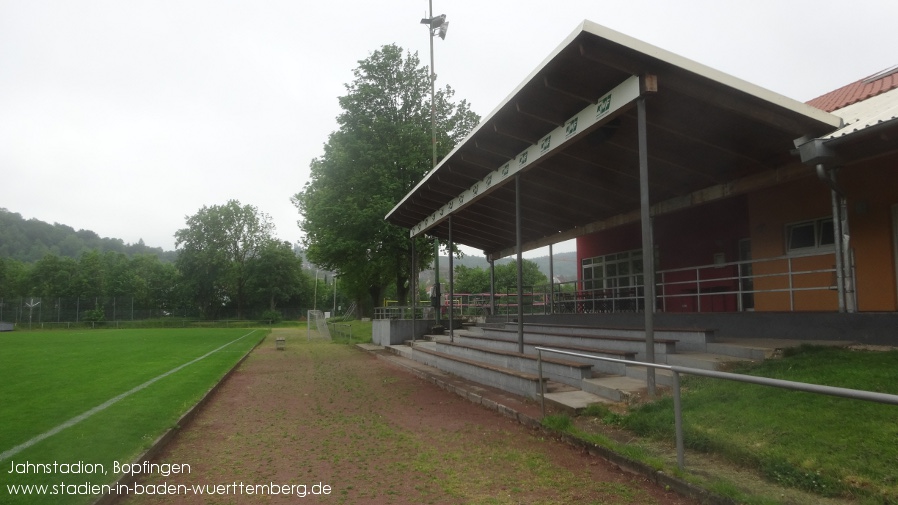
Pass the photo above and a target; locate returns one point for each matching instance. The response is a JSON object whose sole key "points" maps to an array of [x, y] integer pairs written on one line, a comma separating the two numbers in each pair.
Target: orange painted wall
{"points": [[770, 210], [872, 189]]}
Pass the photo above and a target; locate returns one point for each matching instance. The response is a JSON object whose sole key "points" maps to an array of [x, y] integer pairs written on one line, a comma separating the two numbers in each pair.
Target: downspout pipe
{"points": [[816, 153], [829, 178]]}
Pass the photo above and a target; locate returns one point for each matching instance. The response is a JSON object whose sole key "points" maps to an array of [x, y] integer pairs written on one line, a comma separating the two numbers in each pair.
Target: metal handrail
{"points": [[729, 272], [855, 394]]}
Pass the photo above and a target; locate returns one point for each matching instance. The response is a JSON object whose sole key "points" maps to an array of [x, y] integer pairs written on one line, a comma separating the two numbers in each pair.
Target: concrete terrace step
{"points": [[529, 348], [520, 383], [742, 351], [616, 388], [679, 334], [492, 359], [475, 330], [662, 377], [554, 368], [686, 338], [701, 360], [575, 401], [612, 343]]}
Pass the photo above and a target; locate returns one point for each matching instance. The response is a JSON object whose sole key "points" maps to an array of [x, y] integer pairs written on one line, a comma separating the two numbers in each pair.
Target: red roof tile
{"points": [[861, 90]]}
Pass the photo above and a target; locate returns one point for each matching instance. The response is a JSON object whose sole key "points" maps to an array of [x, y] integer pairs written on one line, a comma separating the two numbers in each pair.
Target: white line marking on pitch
{"points": [[103, 406]]}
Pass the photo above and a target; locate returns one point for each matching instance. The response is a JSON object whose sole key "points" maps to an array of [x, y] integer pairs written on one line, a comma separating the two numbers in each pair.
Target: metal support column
{"points": [[413, 292], [551, 281], [492, 286], [433, 145], [519, 246], [451, 285], [648, 247]]}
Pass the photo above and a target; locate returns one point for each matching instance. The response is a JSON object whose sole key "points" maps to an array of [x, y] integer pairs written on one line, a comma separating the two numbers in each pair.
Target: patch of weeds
{"points": [[786, 474], [558, 422], [730, 490], [602, 412]]}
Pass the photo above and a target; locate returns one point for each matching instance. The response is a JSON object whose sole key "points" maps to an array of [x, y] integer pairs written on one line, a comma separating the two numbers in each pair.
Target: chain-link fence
{"points": [[120, 311]]}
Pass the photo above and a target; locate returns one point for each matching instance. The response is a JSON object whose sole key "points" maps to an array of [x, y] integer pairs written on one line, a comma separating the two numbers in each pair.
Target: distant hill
{"points": [[29, 240]]}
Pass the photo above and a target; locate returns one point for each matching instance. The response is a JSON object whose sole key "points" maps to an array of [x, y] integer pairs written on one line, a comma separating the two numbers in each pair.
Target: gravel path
{"points": [[341, 426]]}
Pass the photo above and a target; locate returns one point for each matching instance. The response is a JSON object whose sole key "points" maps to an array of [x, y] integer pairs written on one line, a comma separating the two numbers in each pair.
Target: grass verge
{"points": [[831, 447]]}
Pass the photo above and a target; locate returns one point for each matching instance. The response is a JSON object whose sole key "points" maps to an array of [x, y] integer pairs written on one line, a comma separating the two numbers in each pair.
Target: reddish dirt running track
{"points": [[322, 422]]}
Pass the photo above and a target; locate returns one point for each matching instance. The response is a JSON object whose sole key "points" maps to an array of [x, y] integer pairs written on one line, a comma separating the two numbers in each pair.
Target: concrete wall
{"points": [[397, 331], [879, 328]]}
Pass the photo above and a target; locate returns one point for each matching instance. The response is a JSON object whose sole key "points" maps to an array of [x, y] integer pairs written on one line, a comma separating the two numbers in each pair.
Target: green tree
{"points": [[52, 276], [477, 279], [91, 278], [471, 280], [12, 275], [215, 251], [276, 274], [154, 283], [507, 275], [381, 150]]}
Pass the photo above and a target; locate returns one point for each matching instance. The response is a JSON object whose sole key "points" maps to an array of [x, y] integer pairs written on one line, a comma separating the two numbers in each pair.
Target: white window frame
{"points": [[818, 246], [633, 276]]}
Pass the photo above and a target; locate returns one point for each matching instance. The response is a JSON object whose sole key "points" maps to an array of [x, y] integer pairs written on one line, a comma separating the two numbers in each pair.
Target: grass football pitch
{"points": [[73, 405]]}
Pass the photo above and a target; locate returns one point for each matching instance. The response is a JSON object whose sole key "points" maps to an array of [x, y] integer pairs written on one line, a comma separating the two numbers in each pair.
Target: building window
{"points": [[809, 236], [612, 271]]}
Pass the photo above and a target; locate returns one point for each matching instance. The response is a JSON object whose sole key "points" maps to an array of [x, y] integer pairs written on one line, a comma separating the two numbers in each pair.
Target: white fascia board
{"points": [[712, 74]]}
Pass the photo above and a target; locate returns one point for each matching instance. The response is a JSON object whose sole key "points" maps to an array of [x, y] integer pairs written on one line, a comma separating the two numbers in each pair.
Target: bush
{"points": [[272, 315], [94, 316]]}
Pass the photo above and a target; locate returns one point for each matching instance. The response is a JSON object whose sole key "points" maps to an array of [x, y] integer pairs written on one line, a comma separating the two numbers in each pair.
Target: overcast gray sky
{"points": [[125, 116]]}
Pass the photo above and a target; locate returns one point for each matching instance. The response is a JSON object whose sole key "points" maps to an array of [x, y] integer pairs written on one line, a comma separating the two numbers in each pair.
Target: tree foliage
{"points": [[92, 278], [380, 151], [29, 240], [217, 241], [216, 249], [477, 280], [471, 279], [276, 275]]}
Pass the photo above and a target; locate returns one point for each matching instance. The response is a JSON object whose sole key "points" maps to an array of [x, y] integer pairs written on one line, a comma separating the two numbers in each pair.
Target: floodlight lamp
{"points": [[442, 30], [434, 22]]}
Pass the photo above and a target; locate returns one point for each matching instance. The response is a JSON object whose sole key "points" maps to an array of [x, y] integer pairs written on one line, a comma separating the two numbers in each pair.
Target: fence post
{"points": [[791, 290], [542, 389], [698, 290], [678, 420]]}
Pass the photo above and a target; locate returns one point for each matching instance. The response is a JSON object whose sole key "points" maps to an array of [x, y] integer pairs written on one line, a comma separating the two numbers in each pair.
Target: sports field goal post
{"points": [[316, 317]]}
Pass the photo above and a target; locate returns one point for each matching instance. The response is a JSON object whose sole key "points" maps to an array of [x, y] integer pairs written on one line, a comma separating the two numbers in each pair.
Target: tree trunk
{"points": [[376, 295], [402, 286]]}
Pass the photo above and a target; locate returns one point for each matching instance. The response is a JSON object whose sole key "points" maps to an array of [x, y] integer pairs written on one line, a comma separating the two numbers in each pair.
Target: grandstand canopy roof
{"points": [[569, 130]]}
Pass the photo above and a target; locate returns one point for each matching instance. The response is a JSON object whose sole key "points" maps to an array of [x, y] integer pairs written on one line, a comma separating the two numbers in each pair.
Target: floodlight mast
{"points": [[31, 305], [436, 26]]}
